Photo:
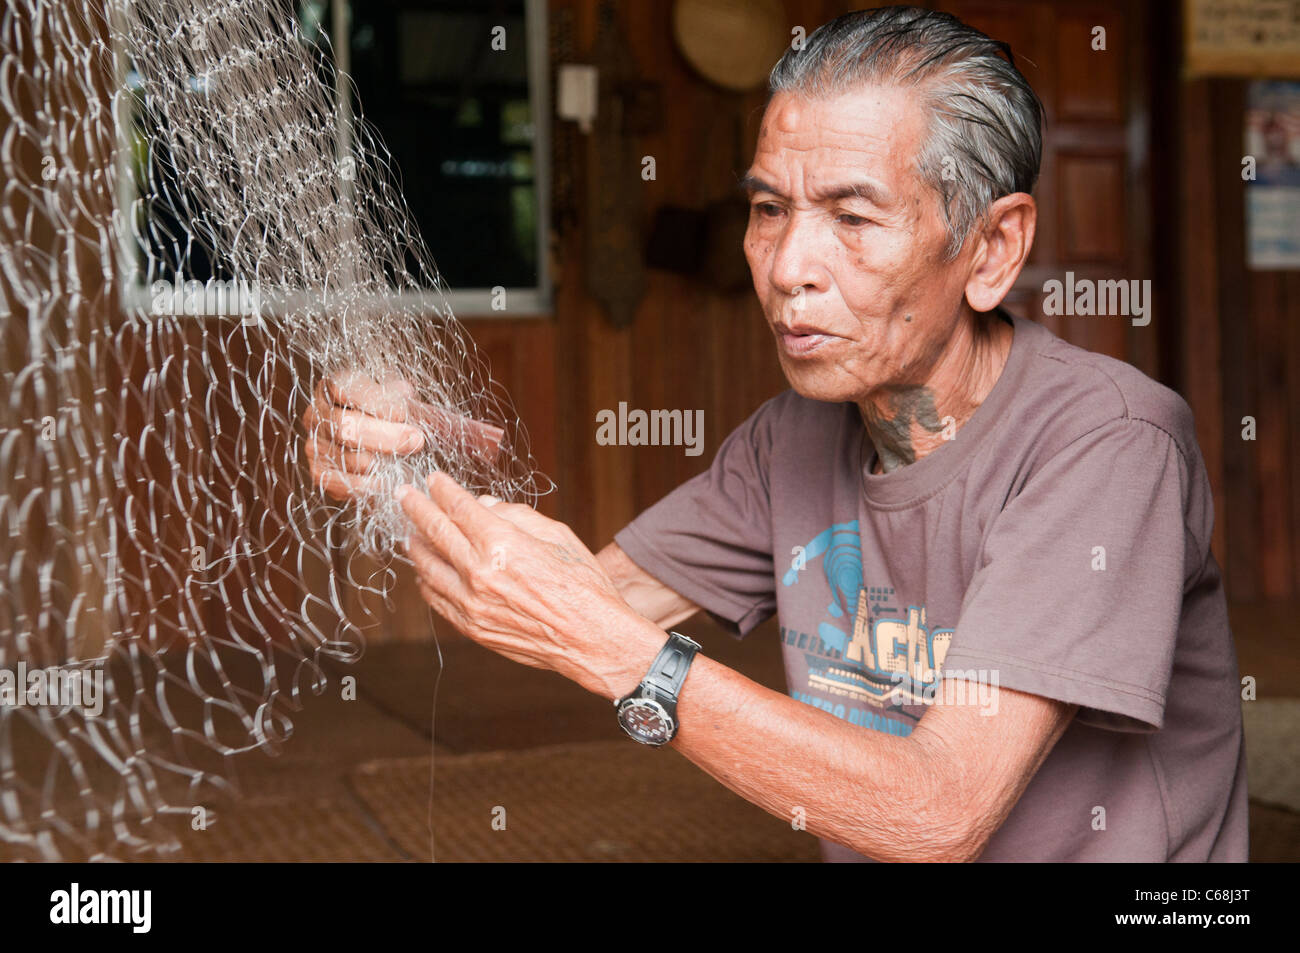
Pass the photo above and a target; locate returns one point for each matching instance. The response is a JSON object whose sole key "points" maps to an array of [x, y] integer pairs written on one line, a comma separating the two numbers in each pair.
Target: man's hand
{"points": [[526, 587], [352, 419], [348, 422]]}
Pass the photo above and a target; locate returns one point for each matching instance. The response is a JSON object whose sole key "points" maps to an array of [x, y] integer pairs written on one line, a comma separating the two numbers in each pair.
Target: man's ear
{"points": [[1001, 250]]}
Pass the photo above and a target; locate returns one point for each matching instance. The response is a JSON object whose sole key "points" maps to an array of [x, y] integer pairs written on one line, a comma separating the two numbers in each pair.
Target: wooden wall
{"points": [[1241, 351]]}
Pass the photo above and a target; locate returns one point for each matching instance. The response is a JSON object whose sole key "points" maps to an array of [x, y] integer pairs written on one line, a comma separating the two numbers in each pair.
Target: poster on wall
{"points": [[1273, 180]]}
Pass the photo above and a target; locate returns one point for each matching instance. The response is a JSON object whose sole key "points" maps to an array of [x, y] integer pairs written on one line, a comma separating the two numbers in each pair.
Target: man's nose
{"points": [[797, 262]]}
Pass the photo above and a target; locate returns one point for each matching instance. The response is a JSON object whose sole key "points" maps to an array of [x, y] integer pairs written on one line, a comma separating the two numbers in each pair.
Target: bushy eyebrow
{"points": [[752, 183], [868, 191]]}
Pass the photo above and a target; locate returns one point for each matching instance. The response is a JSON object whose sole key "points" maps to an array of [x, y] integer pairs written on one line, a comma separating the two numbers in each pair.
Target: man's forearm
{"points": [[876, 793], [881, 795]]}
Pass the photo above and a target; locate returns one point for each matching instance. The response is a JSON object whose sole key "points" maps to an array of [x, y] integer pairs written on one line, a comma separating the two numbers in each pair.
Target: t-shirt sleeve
{"points": [[711, 538], [1078, 594]]}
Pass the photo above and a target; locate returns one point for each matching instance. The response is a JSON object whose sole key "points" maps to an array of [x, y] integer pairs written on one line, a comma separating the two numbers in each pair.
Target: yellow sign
{"points": [[1242, 37]]}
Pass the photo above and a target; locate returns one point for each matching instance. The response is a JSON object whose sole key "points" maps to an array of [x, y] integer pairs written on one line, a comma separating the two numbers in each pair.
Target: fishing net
{"points": [[197, 227]]}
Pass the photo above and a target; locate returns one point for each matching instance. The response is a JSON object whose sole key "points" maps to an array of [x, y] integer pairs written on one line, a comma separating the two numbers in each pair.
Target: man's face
{"points": [[845, 243]]}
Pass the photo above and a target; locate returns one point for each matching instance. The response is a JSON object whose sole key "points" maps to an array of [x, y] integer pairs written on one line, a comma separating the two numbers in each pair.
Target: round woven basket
{"points": [[731, 43]]}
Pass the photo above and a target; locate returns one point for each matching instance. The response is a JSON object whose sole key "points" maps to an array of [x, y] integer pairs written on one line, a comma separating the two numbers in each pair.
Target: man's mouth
{"points": [[798, 341]]}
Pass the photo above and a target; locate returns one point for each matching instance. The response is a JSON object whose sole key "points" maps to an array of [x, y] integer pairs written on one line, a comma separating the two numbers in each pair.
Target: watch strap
{"points": [[669, 669]]}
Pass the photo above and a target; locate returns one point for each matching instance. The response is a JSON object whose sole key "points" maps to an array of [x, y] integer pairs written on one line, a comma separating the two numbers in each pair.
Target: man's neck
{"points": [[906, 424]]}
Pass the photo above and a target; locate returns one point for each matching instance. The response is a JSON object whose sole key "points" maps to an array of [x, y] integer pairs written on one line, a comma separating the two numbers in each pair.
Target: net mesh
{"points": [[196, 227]]}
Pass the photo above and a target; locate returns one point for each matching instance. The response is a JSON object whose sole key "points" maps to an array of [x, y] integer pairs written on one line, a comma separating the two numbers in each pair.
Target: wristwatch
{"points": [[649, 714]]}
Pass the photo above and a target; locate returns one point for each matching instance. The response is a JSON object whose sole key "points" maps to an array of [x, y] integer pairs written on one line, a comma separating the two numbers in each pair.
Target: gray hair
{"points": [[985, 120]]}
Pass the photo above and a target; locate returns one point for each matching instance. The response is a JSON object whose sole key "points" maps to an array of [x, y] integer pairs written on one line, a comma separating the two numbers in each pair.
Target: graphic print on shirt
{"points": [[870, 650]]}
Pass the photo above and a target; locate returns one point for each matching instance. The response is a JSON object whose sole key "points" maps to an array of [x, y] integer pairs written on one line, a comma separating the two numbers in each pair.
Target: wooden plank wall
{"points": [[1253, 322], [1093, 188]]}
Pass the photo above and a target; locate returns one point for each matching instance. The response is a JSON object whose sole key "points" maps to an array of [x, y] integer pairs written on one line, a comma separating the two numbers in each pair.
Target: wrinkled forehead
{"points": [[873, 130]]}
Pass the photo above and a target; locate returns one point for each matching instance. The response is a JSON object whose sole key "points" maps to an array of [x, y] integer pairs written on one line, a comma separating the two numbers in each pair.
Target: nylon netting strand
{"points": [[158, 519]]}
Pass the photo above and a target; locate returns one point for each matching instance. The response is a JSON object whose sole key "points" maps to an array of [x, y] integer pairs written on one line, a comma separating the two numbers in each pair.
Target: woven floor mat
{"points": [[1274, 834], [597, 801], [297, 829], [1273, 751]]}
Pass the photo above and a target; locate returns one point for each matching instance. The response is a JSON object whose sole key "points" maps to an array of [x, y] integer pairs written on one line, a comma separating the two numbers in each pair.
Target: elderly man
{"points": [[1005, 636]]}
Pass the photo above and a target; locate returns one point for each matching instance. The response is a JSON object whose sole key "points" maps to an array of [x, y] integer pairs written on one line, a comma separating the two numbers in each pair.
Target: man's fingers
{"points": [[433, 571], [359, 431], [525, 517], [385, 417], [341, 486], [321, 395], [363, 415], [455, 429], [437, 603], [471, 518], [522, 516], [440, 533], [325, 454], [387, 399]]}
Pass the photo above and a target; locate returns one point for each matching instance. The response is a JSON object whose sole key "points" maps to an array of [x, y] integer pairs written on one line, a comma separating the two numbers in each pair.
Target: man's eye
{"points": [[768, 209], [853, 221]]}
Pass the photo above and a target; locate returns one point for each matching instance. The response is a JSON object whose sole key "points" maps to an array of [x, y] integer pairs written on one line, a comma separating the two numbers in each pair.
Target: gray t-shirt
{"points": [[1058, 545]]}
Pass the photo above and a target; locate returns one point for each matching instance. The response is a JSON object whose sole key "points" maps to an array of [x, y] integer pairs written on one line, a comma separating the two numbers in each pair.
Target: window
{"points": [[458, 92]]}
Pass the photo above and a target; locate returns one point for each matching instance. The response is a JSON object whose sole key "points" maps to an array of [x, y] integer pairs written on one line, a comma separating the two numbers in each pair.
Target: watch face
{"points": [[646, 721]]}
